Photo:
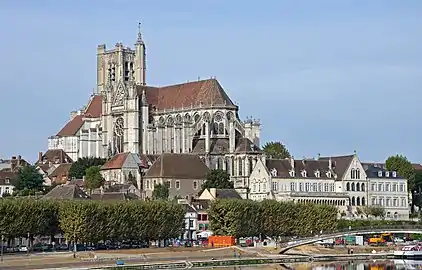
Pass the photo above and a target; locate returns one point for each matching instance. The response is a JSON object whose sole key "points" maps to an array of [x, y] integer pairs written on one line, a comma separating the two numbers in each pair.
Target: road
{"points": [[108, 259]]}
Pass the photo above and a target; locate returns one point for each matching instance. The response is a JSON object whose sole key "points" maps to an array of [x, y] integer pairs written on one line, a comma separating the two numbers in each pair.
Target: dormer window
{"points": [[387, 174], [292, 173], [7, 181], [274, 172], [317, 174], [328, 174], [303, 173], [379, 173], [394, 174]]}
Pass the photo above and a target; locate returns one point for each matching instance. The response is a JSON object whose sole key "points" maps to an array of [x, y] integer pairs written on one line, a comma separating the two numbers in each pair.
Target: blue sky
{"points": [[323, 76]]}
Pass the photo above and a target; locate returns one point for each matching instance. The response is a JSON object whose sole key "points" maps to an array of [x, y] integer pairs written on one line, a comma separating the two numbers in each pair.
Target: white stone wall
{"points": [[392, 195]]}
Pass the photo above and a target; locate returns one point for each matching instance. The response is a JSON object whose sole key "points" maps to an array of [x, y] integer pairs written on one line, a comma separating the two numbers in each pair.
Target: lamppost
{"points": [[27, 244], [74, 244], [1, 252]]}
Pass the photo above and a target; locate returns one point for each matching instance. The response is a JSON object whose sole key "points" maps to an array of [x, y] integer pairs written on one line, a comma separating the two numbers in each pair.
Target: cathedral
{"points": [[127, 115]]}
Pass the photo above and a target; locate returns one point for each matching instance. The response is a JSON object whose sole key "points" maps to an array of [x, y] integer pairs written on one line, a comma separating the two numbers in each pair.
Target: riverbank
{"points": [[176, 259]]}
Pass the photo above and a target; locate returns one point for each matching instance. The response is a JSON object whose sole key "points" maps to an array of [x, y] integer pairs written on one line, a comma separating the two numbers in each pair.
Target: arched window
{"points": [[353, 201], [363, 201], [362, 187], [357, 174], [353, 187], [221, 129], [240, 167], [357, 201], [348, 186], [357, 187]]}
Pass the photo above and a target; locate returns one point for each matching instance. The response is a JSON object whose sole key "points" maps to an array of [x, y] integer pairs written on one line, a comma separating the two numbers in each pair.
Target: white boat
{"points": [[409, 252]]}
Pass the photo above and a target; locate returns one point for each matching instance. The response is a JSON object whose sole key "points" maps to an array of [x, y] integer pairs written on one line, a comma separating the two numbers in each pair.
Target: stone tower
{"points": [[119, 71]]}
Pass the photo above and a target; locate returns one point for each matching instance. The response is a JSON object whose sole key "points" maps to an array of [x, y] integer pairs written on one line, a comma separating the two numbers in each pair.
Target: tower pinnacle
{"points": [[139, 40]]}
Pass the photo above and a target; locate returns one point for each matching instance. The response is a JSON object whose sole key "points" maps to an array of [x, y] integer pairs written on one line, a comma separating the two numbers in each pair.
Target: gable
{"points": [[260, 170], [206, 195], [355, 164], [132, 162]]}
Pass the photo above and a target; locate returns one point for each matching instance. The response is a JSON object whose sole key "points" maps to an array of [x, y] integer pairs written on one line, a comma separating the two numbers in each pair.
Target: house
{"points": [[117, 192], [54, 166], [13, 164], [6, 180], [305, 180], [389, 190], [184, 173], [66, 192], [114, 196], [125, 168], [53, 156], [190, 220]]}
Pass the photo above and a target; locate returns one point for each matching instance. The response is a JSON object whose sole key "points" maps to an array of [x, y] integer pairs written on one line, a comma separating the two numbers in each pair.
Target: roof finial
{"points": [[139, 40]]}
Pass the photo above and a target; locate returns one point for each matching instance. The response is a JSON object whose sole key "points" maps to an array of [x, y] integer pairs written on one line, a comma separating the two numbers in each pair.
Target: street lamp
{"points": [[27, 244], [1, 252], [74, 244]]}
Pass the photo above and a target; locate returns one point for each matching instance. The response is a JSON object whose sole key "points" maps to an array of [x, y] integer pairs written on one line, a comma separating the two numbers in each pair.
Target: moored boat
{"points": [[409, 252]]}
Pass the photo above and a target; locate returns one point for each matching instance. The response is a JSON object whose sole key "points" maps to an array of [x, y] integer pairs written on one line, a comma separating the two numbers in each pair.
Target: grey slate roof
{"points": [[227, 194], [66, 192], [373, 171], [114, 196]]}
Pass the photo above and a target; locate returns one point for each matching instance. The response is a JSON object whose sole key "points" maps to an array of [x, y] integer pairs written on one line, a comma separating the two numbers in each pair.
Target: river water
{"points": [[367, 265]]}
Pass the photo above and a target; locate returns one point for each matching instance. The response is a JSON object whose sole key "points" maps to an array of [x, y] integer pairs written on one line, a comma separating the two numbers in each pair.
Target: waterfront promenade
{"points": [[171, 258]]}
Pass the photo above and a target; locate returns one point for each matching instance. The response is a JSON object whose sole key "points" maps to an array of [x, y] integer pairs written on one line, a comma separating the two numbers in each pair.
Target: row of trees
{"points": [[91, 221], [242, 218]]}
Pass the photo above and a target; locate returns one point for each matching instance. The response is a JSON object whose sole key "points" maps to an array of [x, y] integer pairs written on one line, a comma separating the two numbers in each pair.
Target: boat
{"points": [[409, 252]]}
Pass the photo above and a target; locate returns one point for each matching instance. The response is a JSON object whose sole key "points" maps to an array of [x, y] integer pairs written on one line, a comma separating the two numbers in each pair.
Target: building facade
{"points": [[306, 180], [388, 190], [126, 115]]}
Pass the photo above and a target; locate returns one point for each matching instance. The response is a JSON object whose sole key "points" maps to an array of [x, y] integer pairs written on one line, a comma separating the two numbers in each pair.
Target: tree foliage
{"points": [[241, 218], [161, 191], [217, 179], [78, 168], [276, 150], [373, 211], [91, 221], [403, 167], [28, 178], [20, 216], [93, 178]]}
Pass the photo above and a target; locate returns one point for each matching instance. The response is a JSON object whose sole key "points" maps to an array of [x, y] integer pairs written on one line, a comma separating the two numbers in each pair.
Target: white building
{"points": [[306, 180], [128, 116], [388, 190], [6, 186]]}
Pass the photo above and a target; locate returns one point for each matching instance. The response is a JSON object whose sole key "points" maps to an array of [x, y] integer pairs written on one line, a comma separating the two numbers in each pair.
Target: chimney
{"points": [[39, 157], [318, 156], [330, 164], [213, 192], [292, 162], [19, 160]]}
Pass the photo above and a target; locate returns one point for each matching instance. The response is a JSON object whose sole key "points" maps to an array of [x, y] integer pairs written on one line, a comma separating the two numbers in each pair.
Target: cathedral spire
{"points": [[139, 40]]}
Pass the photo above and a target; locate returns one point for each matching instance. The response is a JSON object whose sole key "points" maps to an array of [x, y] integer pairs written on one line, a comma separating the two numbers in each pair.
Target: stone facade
{"points": [[388, 190], [126, 115]]}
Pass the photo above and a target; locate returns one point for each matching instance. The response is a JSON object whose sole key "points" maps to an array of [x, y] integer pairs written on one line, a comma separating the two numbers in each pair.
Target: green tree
{"points": [[78, 168], [161, 191], [276, 150], [403, 167], [374, 211], [29, 178], [93, 178], [217, 179]]}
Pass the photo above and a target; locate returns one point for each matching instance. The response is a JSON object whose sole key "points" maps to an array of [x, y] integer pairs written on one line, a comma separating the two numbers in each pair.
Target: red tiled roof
{"points": [[72, 126], [205, 92], [94, 108], [115, 162]]}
